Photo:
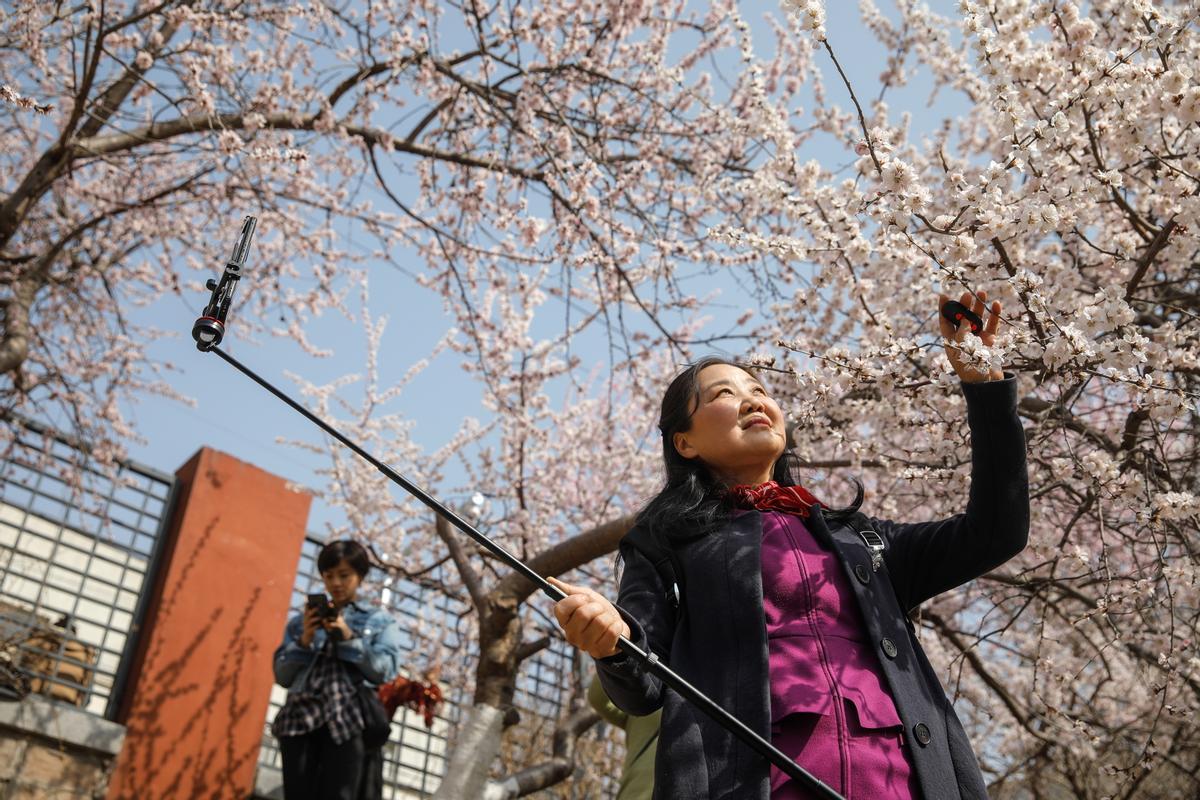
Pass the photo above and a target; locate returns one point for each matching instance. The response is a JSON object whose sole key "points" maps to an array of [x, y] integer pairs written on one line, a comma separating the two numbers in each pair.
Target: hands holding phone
{"points": [[320, 612]]}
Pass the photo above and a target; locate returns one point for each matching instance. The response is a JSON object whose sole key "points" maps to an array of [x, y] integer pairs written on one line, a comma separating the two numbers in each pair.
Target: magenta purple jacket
{"points": [[717, 640]]}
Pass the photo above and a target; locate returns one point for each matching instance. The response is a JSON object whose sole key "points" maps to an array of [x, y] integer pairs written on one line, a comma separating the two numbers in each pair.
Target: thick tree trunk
{"points": [[475, 749], [14, 327], [478, 741], [501, 651], [499, 646]]}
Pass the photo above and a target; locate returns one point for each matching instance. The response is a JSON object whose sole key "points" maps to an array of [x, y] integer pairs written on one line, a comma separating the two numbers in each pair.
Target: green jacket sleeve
{"points": [[599, 701]]}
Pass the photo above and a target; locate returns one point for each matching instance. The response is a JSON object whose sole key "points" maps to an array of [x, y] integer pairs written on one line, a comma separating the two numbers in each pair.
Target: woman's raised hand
{"points": [[991, 323], [588, 620]]}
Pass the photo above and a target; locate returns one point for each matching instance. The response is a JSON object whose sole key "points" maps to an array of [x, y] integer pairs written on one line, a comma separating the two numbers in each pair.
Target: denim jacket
{"points": [[374, 650]]}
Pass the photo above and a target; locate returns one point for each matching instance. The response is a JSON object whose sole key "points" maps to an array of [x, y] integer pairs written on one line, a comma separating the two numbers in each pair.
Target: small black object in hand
{"points": [[955, 312], [325, 608]]}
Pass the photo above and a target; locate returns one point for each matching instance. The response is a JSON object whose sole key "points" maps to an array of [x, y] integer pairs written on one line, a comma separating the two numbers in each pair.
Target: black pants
{"points": [[316, 768]]}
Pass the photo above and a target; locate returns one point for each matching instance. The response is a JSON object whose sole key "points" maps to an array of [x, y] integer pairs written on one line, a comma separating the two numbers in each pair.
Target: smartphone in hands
{"points": [[324, 606]]}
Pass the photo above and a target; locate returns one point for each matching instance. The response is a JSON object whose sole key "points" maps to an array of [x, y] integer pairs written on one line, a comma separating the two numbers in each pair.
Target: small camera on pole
{"points": [[955, 312], [209, 329]]}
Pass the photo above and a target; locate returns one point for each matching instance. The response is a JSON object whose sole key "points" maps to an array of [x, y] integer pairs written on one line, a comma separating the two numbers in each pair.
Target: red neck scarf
{"points": [[770, 496]]}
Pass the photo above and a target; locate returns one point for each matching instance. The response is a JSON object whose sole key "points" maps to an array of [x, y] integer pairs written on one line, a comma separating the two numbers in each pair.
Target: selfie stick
{"points": [[209, 330]]}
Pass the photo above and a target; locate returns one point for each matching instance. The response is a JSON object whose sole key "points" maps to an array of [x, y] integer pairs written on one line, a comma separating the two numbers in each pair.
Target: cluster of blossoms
{"points": [[808, 15], [10, 95]]}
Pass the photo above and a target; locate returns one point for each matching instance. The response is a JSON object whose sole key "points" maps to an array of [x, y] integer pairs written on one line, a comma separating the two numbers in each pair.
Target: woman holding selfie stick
{"points": [[327, 652], [792, 615]]}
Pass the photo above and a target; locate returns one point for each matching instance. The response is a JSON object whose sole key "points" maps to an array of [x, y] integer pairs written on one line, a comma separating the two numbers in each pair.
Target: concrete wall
{"points": [[52, 751]]}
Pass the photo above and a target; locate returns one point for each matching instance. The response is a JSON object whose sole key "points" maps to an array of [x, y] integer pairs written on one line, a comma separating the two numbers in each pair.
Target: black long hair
{"points": [[692, 503]]}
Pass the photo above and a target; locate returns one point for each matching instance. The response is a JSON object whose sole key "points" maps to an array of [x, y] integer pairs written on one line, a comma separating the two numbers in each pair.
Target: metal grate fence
{"points": [[77, 544]]}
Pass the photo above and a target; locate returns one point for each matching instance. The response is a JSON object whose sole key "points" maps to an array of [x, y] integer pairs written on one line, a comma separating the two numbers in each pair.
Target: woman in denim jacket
{"points": [[321, 662]]}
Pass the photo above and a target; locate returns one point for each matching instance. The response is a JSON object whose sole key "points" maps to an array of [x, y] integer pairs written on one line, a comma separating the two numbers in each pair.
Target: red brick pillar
{"points": [[197, 692]]}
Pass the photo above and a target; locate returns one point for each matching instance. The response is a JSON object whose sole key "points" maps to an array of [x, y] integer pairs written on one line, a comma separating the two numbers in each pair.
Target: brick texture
{"points": [[33, 769]]}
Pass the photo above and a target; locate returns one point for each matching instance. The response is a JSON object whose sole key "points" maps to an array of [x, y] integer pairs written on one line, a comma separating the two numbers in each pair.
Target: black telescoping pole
{"points": [[209, 330]]}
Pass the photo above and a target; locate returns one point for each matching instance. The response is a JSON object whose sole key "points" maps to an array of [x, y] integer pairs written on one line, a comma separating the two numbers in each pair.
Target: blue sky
{"points": [[233, 415]]}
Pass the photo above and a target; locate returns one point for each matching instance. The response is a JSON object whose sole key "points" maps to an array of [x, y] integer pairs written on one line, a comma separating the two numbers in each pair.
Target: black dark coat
{"points": [[718, 642]]}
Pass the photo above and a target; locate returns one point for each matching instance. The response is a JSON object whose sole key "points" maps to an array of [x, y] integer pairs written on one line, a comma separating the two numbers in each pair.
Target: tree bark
{"points": [[548, 773], [475, 748]]}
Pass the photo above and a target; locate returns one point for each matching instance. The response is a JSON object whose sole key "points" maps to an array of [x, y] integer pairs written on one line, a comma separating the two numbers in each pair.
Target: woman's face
{"points": [[737, 429], [341, 581]]}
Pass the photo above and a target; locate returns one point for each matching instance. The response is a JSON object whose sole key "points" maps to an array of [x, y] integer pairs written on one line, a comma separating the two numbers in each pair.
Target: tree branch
{"points": [[1024, 295], [1036, 408], [470, 577], [1152, 250], [532, 648], [548, 773], [972, 655], [203, 123], [567, 555]]}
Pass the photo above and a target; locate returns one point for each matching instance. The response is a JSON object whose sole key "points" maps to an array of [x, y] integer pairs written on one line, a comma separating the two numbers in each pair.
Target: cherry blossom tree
{"points": [[557, 161], [1070, 192], [585, 164], [493, 140], [552, 478]]}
